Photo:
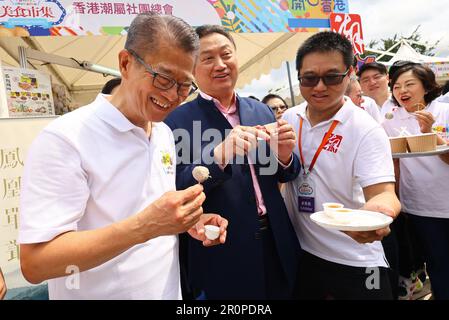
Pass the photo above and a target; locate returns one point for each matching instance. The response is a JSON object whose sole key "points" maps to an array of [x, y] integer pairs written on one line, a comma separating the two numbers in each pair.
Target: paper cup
{"points": [[398, 144], [212, 232], [422, 142]]}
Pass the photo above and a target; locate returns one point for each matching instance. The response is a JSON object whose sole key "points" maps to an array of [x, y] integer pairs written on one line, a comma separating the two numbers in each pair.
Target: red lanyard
{"points": [[320, 148]]}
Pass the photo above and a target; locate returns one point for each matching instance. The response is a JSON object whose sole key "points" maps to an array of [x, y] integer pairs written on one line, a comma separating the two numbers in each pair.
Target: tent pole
{"points": [[23, 57], [292, 96]]}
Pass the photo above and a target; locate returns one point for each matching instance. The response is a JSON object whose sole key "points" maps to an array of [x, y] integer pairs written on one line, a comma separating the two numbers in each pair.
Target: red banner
{"points": [[349, 25]]}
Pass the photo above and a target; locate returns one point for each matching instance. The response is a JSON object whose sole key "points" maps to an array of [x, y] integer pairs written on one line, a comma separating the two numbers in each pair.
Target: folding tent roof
{"points": [[406, 52], [439, 65], [257, 53]]}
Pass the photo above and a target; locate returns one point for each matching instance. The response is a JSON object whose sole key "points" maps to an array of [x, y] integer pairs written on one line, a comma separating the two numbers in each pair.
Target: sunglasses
{"points": [[330, 79]]}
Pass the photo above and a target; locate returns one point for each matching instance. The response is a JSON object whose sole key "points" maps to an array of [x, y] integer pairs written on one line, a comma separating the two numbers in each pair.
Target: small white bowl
{"points": [[212, 232], [328, 206], [341, 215]]}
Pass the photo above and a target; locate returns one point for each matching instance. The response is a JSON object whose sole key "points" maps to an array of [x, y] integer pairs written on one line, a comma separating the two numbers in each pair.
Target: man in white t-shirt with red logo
{"points": [[346, 158]]}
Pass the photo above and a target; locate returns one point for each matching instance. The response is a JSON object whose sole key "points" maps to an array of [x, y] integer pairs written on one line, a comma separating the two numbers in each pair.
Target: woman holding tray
{"points": [[423, 180]]}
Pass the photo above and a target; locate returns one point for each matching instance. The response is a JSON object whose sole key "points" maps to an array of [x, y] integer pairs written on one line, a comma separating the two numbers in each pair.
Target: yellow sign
{"points": [[16, 136]]}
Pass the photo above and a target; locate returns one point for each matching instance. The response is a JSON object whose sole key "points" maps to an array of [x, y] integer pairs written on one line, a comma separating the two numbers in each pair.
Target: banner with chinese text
{"points": [[349, 25], [441, 69], [16, 136], [27, 93], [112, 17]]}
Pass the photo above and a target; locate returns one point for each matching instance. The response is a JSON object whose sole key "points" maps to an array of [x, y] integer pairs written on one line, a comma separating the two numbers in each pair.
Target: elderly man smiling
{"points": [[98, 192]]}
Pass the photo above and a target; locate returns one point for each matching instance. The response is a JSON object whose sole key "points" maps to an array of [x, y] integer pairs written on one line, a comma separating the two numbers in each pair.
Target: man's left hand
{"points": [[375, 235], [283, 143], [198, 232]]}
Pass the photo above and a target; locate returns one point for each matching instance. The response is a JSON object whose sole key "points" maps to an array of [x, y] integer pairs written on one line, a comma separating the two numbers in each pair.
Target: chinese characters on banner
{"points": [[114, 8], [349, 25], [441, 69], [16, 136], [112, 17], [28, 93]]}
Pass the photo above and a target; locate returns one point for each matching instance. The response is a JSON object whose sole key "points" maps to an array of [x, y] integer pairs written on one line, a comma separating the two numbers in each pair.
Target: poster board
{"points": [[441, 69], [16, 136], [27, 93]]}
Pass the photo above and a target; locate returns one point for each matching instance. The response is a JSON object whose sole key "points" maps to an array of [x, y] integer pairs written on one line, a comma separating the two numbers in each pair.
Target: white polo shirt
{"points": [[370, 106], [360, 156], [388, 106], [423, 180], [444, 98], [89, 169]]}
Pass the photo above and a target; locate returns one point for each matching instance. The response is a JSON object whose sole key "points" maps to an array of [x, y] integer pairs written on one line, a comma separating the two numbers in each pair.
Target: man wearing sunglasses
{"points": [[346, 158], [261, 252], [99, 210]]}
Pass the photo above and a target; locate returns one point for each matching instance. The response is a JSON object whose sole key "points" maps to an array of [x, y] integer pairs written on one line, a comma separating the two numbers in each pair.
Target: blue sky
{"points": [[380, 19]]}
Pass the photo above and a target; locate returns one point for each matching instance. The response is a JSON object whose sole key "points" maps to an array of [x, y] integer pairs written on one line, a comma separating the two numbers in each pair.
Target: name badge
{"points": [[306, 194]]}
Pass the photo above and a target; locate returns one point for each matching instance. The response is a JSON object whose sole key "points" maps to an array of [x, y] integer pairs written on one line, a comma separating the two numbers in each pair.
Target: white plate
{"points": [[360, 220], [440, 150]]}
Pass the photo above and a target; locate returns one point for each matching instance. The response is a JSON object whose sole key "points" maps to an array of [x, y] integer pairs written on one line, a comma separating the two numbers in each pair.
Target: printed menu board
{"points": [[27, 93]]}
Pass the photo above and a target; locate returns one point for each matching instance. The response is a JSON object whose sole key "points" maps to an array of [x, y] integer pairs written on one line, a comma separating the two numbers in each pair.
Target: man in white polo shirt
{"points": [[346, 158], [99, 210], [373, 78]]}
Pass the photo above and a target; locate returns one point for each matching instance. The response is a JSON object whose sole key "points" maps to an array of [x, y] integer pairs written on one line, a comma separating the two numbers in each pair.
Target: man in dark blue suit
{"points": [[225, 133]]}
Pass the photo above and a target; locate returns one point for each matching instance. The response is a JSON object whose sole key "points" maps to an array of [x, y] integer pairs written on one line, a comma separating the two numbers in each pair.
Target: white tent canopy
{"points": [[439, 65], [258, 54], [406, 52]]}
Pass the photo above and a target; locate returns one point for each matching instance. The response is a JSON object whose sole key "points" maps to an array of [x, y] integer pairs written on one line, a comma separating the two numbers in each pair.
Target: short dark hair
{"points": [[148, 29], [372, 66], [208, 29], [425, 75], [270, 96], [110, 85], [326, 41], [397, 65], [445, 88]]}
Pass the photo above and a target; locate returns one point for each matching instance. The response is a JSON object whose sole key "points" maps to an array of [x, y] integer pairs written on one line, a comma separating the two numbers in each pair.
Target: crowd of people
{"points": [[108, 194]]}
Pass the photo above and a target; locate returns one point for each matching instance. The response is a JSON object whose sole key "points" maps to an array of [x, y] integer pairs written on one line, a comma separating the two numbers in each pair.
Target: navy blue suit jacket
{"points": [[234, 270]]}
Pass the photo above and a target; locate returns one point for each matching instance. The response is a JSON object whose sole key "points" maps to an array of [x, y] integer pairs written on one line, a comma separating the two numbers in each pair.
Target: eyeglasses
{"points": [[164, 82], [330, 79], [278, 108], [366, 79]]}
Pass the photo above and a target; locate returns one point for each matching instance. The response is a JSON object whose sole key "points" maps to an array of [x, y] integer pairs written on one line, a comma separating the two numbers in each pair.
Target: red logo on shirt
{"points": [[333, 143]]}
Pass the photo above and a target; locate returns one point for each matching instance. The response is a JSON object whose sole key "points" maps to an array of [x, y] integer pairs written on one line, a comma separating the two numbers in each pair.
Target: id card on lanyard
{"points": [[306, 187]]}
